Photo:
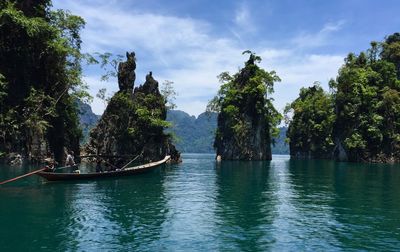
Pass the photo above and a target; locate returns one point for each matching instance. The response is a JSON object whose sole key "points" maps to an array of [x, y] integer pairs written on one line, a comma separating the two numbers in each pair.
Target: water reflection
{"points": [[123, 214], [190, 190], [347, 204], [245, 205], [312, 197]]}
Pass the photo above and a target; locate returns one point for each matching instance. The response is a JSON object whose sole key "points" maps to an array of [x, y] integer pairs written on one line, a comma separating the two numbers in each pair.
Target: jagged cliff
{"points": [[246, 117], [133, 122]]}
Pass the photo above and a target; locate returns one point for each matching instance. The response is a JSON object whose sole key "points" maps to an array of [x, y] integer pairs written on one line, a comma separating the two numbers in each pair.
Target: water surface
{"points": [[281, 205]]}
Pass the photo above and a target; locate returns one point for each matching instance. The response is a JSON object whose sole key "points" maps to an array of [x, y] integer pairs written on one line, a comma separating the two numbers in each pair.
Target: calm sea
{"points": [[281, 205]]}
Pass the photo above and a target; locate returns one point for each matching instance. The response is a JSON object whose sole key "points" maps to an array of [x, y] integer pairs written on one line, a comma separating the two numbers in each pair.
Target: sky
{"points": [[190, 42]]}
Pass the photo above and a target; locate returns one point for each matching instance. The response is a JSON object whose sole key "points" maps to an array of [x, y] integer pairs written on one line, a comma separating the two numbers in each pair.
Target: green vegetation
{"points": [[367, 99], [133, 124], [247, 118], [168, 92], [40, 66], [192, 135], [310, 130], [365, 122]]}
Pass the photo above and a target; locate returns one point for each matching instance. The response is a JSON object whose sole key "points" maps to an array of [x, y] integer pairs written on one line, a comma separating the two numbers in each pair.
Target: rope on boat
{"points": [[22, 176], [132, 160], [111, 164], [106, 156], [111, 156]]}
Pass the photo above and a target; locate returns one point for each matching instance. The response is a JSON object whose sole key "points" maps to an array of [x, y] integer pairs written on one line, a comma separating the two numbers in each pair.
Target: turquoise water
{"points": [[281, 205]]}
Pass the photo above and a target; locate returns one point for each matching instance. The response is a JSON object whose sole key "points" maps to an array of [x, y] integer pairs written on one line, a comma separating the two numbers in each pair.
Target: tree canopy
{"points": [[311, 125], [40, 61], [366, 102]]}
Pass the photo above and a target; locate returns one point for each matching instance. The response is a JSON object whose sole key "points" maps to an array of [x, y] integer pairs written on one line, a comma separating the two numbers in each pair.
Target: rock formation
{"points": [[126, 73], [133, 123], [253, 144], [246, 115]]}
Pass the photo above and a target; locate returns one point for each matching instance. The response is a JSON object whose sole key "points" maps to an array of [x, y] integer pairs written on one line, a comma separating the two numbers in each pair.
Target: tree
{"points": [[169, 94], [101, 94], [311, 123], [363, 90]]}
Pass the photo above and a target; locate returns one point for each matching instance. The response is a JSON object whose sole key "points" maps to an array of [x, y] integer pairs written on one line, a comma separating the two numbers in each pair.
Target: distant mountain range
{"points": [[191, 134], [281, 147], [197, 134], [87, 119]]}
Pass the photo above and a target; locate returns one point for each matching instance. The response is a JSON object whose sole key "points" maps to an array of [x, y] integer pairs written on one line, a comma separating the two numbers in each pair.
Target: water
{"points": [[281, 205]]}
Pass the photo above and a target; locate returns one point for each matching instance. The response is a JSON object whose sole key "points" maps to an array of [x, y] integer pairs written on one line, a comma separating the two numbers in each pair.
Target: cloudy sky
{"points": [[190, 42]]}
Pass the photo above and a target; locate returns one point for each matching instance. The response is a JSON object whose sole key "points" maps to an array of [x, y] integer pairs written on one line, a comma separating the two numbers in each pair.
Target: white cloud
{"points": [[243, 17], [187, 52], [312, 40], [302, 72]]}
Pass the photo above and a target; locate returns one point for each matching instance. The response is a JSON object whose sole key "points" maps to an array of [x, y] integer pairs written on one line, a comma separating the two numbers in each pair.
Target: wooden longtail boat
{"points": [[53, 176]]}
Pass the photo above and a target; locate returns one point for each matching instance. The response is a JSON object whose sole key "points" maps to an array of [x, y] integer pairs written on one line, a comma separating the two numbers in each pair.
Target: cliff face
{"points": [[246, 114], [133, 123], [253, 143]]}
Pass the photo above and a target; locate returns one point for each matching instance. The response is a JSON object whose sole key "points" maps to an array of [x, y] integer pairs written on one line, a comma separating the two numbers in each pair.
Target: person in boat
{"points": [[17, 160], [98, 165], [50, 163], [70, 159]]}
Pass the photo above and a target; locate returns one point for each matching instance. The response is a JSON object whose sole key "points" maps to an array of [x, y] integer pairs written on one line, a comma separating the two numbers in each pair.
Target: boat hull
{"points": [[52, 176]]}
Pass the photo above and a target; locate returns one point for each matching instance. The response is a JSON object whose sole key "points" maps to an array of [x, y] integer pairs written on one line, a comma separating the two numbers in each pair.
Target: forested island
{"points": [[359, 119], [42, 95], [133, 121], [247, 119]]}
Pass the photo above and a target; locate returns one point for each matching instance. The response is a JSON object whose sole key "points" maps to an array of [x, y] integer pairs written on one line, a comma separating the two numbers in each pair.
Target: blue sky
{"points": [[190, 42]]}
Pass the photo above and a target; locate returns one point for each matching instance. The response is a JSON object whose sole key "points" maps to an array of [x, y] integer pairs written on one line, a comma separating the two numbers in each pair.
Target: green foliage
{"points": [[150, 112], [311, 123], [108, 63], [133, 123], [366, 98], [39, 107], [366, 92], [40, 60], [101, 94], [391, 51], [3, 89], [169, 94]]}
